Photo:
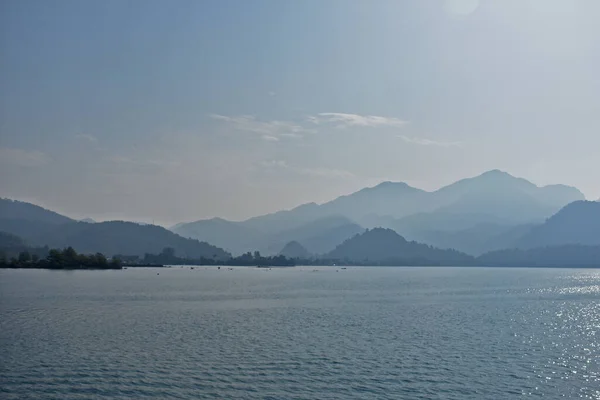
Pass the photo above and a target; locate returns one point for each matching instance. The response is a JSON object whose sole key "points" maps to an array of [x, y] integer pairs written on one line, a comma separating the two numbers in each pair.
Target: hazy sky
{"points": [[180, 110]]}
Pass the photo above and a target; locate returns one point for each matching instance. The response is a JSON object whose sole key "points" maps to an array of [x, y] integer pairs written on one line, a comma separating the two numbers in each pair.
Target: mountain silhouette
{"points": [[564, 256], [497, 193], [494, 200], [119, 237], [476, 240], [319, 236], [576, 223], [235, 237], [40, 227], [20, 210], [8, 240], [384, 246], [294, 250]]}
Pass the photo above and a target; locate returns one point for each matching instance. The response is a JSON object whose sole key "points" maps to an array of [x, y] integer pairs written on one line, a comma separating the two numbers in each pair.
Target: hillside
{"points": [[8, 240], [294, 250], [384, 246], [475, 240], [565, 256], [19, 210], [37, 226], [27, 220], [577, 223], [118, 237], [388, 198], [11, 245], [319, 236], [235, 237]]}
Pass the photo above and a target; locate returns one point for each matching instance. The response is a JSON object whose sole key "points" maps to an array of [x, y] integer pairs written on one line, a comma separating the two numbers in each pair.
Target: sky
{"points": [[171, 111]]}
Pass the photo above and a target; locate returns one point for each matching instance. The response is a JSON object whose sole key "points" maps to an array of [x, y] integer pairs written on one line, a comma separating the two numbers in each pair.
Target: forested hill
{"points": [[119, 237], [19, 210], [384, 246]]}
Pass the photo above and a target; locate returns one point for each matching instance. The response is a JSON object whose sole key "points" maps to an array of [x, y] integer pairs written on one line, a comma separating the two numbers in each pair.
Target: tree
{"points": [[101, 260], [115, 262], [168, 252], [24, 257], [55, 259], [70, 257]]}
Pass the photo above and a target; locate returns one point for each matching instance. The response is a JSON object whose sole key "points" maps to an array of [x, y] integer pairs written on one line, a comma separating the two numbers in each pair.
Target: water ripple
{"points": [[447, 333]]}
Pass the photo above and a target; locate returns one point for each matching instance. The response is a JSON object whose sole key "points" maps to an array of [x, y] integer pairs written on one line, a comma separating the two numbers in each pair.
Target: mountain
{"points": [[294, 250], [318, 236], [235, 237], [286, 219], [484, 213], [28, 220], [467, 214], [11, 245], [384, 246], [395, 199], [564, 256], [88, 220], [40, 227], [8, 240], [19, 210], [475, 240], [493, 196], [27, 229], [576, 223], [497, 193], [128, 238]]}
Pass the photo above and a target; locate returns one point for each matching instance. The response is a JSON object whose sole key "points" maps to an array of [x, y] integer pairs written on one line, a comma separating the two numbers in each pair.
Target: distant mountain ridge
{"points": [[476, 215], [318, 235], [20, 210], [563, 256], [494, 199], [40, 227], [576, 223]]}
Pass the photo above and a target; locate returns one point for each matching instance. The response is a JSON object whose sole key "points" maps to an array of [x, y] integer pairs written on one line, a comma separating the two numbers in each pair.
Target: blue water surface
{"points": [[300, 333]]}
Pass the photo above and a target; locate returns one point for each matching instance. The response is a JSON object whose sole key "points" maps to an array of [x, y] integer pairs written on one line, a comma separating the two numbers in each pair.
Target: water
{"points": [[295, 333]]}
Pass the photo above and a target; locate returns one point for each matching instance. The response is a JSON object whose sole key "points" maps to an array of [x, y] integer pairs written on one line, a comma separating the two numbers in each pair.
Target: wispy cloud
{"points": [[268, 130], [428, 142], [342, 120], [329, 173], [267, 164], [87, 137], [23, 158]]}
